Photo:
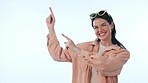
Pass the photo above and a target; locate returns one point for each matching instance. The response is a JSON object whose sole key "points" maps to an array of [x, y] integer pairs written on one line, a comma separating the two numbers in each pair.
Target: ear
{"points": [[112, 25]]}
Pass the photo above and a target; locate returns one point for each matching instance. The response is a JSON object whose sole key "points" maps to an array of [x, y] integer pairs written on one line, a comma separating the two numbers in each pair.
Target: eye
{"points": [[104, 24], [95, 27]]}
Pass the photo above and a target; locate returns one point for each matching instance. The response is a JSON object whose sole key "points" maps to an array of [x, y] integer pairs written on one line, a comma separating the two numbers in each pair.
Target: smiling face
{"points": [[102, 29]]}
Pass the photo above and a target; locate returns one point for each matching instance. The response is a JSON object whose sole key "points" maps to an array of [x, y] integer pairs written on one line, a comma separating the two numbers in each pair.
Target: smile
{"points": [[102, 33]]}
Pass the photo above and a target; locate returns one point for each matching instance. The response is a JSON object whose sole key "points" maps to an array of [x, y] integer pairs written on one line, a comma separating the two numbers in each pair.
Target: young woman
{"points": [[98, 61]]}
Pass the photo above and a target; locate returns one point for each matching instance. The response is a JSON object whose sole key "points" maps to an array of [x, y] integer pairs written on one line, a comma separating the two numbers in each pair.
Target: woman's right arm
{"points": [[56, 52]]}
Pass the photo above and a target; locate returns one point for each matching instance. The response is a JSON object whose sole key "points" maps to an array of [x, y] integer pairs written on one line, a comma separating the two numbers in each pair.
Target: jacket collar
{"points": [[95, 44]]}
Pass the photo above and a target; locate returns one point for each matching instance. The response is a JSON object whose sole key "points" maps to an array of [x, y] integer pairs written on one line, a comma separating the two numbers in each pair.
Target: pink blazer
{"points": [[108, 65]]}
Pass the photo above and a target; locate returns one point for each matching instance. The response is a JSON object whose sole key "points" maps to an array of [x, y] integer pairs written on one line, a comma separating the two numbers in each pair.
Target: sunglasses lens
{"points": [[92, 15], [101, 13]]}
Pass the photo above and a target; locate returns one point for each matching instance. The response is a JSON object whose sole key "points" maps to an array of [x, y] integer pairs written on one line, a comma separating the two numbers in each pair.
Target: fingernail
{"points": [[63, 34]]}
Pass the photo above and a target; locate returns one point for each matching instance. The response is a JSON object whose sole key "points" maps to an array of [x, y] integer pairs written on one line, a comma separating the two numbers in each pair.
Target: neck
{"points": [[106, 43]]}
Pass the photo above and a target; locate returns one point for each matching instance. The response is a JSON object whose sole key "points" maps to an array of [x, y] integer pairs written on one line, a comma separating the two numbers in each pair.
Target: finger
{"points": [[51, 10], [66, 37], [51, 19], [66, 45]]}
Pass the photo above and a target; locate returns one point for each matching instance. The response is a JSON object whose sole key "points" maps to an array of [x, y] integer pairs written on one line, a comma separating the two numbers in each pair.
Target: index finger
{"points": [[51, 10], [66, 37]]}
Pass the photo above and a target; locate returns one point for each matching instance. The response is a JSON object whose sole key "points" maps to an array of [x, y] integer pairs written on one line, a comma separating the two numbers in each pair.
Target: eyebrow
{"points": [[101, 24], [104, 23]]}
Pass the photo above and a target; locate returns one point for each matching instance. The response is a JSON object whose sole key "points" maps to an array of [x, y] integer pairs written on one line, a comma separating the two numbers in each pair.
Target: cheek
{"points": [[96, 32], [110, 30]]}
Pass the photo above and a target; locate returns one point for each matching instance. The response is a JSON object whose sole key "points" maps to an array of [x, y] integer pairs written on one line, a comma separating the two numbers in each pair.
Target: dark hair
{"points": [[109, 19]]}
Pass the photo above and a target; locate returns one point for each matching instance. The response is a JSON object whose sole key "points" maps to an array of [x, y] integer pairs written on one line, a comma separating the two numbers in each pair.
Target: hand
{"points": [[50, 20], [70, 44]]}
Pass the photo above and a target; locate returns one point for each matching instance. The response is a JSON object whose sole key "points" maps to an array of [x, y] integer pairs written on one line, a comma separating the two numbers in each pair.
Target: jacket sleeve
{"points": [[109, 63], [57, 52]]}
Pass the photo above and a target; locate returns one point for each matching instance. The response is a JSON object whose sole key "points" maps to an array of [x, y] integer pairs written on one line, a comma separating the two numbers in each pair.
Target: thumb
{"points": [[65, 43]]}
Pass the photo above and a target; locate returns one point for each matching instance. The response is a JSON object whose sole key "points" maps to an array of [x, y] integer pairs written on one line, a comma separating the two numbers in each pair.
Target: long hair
{"points": [[109, 19]]}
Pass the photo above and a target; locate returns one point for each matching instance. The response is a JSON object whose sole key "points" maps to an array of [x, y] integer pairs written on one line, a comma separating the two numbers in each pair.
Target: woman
{"points": [[98, 61]]}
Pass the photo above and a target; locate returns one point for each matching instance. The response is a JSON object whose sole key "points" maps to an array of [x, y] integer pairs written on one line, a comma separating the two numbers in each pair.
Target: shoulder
{"points": [[118, 50], [123, 53]]}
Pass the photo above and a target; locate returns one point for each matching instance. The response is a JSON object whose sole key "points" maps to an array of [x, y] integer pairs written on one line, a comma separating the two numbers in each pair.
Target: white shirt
{"points": [[94, 72]]}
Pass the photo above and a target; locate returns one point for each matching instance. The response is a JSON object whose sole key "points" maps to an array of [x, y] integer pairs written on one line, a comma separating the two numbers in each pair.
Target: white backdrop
{"points": [[24, 57]]}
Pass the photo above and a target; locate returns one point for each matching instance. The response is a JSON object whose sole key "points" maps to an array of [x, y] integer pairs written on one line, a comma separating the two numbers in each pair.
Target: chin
{"points": [[102, 38]]}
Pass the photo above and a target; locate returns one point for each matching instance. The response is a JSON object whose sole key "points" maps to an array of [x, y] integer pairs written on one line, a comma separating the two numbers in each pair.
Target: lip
{"points": [[102, 34]]}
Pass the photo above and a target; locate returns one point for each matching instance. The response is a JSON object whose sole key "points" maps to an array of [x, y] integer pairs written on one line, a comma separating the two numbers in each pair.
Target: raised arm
{"points": [[50, 21], [54, 48]]}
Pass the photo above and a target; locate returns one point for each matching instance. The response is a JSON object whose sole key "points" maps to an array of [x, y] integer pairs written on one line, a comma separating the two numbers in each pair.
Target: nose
{"points": [[99, 28]]}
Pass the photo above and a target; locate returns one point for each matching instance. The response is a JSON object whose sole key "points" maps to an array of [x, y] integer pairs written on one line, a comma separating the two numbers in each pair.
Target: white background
{"points": [[24, 57]]}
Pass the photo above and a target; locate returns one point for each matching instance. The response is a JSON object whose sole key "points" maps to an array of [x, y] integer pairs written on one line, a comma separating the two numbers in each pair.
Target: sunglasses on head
{"points": [[100, 13]]}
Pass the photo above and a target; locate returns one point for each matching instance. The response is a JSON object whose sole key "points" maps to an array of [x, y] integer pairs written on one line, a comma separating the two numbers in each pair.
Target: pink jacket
{"points": [[108, 65]]}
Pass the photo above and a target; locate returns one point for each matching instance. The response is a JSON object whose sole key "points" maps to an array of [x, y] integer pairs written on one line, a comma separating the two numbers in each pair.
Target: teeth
{"points": [[102, 34]]}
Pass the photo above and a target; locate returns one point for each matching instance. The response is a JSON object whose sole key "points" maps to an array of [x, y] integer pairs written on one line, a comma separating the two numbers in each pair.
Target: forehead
{"points": [[99, 21]]}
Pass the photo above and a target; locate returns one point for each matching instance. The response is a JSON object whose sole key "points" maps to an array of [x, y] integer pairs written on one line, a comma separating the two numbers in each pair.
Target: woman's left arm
{"points": [[109, 63]]}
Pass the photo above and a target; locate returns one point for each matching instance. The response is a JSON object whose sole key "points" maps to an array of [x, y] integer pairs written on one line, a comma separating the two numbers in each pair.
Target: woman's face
{"points": [[102, 29]]}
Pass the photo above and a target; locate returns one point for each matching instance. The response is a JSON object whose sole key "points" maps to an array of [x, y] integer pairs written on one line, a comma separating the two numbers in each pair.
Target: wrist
{"points": [[51, 30]]}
